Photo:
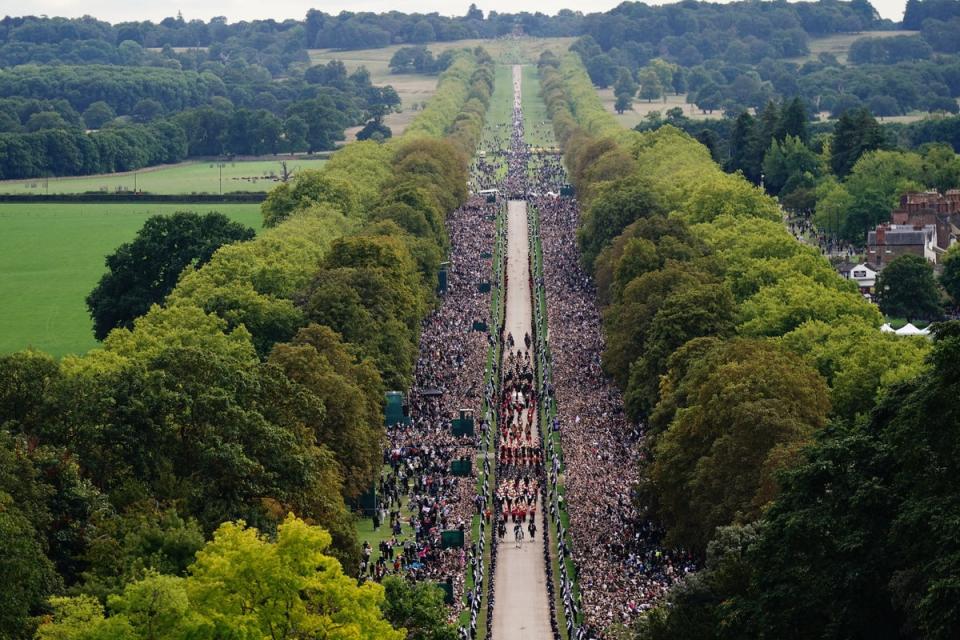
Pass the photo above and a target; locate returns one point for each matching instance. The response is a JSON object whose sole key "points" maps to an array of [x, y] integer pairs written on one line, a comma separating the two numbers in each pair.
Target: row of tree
{"points": [[312, 125], [752, 362], [121, 88], [254, 391], [419, 59], [65, 152]]}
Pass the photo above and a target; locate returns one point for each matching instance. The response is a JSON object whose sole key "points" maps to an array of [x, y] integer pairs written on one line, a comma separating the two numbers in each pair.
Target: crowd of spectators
{"points": [[420, 496], [801, 225], [622, 567]]}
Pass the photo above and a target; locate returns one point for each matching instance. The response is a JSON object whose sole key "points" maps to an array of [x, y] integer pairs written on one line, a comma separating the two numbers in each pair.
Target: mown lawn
{"points": [[185, 178], [537, 128], [52, 255]]}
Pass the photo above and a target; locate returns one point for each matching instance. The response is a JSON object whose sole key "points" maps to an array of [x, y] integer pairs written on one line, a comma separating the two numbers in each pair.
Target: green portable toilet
{"points": [[447, 591], [394, 408], [567, 190], [451, 539], [461, 467], [463, 426], [479, 325], [442, 278], [484, 287], [367, 502]]}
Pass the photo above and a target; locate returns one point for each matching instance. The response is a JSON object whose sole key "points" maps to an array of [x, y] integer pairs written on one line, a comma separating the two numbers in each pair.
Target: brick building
{"points": [[931, 208], [889, 241]]}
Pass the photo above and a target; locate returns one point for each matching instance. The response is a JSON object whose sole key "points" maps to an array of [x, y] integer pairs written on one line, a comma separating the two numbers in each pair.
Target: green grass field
{"points": [[185, 178], [51, 256], [537, 128]]}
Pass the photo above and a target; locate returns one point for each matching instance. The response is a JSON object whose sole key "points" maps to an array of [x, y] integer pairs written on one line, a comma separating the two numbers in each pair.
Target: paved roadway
{"points": [[521, 609]]}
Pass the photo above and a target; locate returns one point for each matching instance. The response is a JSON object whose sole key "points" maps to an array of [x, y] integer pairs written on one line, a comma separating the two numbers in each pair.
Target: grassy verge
{"points": [[51, 257], [537, 129]]}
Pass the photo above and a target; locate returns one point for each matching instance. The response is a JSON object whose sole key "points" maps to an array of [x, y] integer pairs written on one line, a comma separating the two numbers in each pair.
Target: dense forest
{"points": [[82, 96], [805, 457], [75, 120], [849, 175]]}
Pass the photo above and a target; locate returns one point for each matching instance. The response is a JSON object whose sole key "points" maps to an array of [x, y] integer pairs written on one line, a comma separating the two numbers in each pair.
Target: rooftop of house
{"points": [[900, 235]]}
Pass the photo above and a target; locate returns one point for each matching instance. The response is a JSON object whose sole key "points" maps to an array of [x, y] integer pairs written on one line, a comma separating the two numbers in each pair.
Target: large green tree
{"points": [[651, 87], [351, 392], [28, 575], [855, 133], [789, 302], [789, 164], [857, 361], [615, 205], [142, 272], [242, 585], [859, 543], [744, 409], [130, 545], [866, 521], [417, 607], [688, 312], [906, 288], [950, 278]]}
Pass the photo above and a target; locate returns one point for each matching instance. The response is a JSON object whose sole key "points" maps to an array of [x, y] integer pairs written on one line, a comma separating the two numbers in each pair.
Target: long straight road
{"points": [[521, 605]]}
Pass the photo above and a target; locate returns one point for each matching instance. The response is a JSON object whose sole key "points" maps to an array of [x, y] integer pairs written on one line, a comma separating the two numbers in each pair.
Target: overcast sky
{"points": [[234, 10]]}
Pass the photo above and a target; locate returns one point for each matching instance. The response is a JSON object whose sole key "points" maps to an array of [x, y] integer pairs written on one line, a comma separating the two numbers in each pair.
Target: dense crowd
{"points": [[801, 225], [420, 496], [622, 567]]}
